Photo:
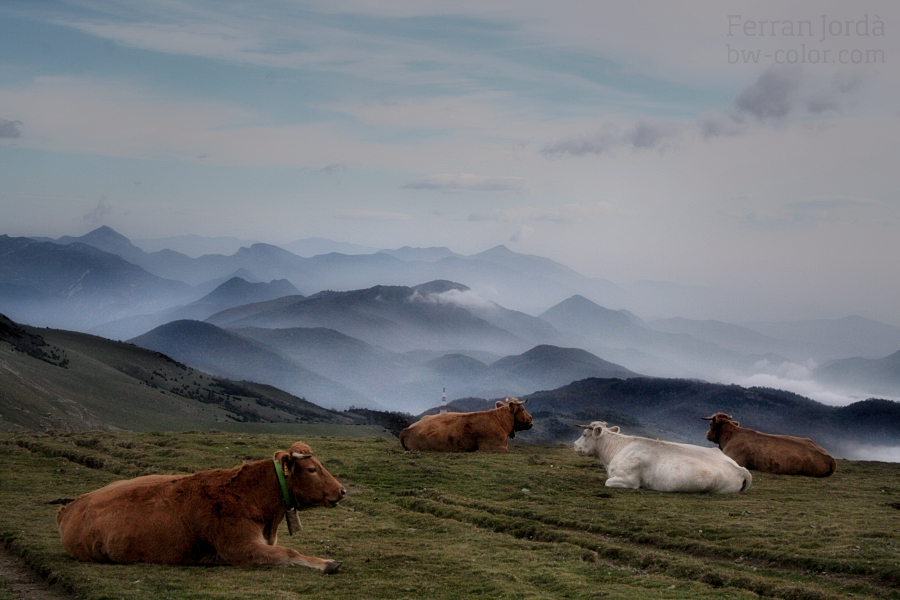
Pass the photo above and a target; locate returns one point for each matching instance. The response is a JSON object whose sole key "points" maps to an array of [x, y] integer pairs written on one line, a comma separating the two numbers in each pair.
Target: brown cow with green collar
{"points": [[766, 452], [485, 431], [223, 516]]}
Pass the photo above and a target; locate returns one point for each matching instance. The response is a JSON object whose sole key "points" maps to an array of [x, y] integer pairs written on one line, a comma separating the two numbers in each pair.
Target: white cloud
{"points": [[797, 378], [523, 234], [468, 299]]}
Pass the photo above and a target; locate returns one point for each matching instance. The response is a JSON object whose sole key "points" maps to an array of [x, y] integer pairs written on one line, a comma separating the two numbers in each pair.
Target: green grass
{"points": [[535, 523]]}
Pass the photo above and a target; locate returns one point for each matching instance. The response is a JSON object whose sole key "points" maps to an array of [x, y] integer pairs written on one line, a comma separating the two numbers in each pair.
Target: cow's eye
{"points": [[311, 469]]}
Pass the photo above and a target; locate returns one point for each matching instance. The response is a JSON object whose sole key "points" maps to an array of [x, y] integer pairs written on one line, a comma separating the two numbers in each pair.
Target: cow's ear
{"points": [[286, 462], [499, 404], [736, 423], [614, 429]]}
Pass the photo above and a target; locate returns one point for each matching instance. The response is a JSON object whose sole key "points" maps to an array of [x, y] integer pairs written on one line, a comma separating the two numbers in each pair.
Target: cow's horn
{"points": [[523, 401], [707, 418], [299, 456], [584, 426]]}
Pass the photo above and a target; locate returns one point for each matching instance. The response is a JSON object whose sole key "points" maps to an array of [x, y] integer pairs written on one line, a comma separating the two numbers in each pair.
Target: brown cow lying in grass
{"points": [[223, 516], [769, 453], [487, 431]]}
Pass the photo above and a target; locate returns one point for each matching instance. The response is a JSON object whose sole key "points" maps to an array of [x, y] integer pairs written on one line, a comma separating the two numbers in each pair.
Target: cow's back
{"points": [[99, 526], [448, 432], [779, 454]]}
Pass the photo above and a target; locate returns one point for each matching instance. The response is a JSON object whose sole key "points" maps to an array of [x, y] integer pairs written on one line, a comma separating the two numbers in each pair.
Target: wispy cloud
{"points": [[772, 95], [96, 217], [464, 298], [565, 213], [372, 216], [801, 212], [10, 129], [642, 135], [465, 182], [776, 94]]}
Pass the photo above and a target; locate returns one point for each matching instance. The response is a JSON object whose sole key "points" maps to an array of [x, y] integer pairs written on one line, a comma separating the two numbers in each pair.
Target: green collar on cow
{"points": [[285, 496]]}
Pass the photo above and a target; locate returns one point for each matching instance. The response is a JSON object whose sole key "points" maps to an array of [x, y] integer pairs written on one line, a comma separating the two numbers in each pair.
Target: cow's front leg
{"points": [[622, 477], [260, 554], [622, 482], [245, 545]]}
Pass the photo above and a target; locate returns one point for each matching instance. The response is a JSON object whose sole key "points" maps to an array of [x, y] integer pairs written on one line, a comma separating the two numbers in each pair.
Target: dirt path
{"points": [[19, 581]]}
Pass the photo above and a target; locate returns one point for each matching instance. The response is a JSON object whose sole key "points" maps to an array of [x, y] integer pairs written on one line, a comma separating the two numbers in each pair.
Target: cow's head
{"points": [[521, 418], [586, 444], [308, 482], [716, 423]]}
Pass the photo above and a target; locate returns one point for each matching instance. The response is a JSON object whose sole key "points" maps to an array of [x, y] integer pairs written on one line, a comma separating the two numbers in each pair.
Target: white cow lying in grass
{"points": [[636, 462]]}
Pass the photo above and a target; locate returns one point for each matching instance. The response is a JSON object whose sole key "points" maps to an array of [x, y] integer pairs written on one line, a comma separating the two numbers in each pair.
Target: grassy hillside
{"points": [[536, 523], [54, 379]]}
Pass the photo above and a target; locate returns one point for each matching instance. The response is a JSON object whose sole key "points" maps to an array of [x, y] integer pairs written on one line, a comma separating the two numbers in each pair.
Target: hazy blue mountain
{"points": [[106, 239], [408, 253], [540, 368], [237, 291], [163, 263], [621, 337], [194, 245], [77, 286], [664, 299], [264, 261], [368, 369], [549, 367], [316, 245], [524, 326], [828, 339], [580, 315], [234, 292], [726, 335], [226, 354], [396, 317], [880, 375], [522, 282], [457, 365], [101, 282], [537, 266]]}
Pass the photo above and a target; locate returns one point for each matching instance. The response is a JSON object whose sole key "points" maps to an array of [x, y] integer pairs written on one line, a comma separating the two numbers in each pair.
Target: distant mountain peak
{"points": [[106, 230], [238, 291], [104, 238], [497, 252]]}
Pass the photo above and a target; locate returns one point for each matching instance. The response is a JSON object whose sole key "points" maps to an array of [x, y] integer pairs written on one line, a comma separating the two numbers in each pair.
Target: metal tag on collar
{"points": [[290, 513], [293, 521]]}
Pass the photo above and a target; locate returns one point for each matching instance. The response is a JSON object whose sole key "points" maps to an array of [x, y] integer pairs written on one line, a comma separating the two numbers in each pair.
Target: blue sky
{"points": [[707, 143]]}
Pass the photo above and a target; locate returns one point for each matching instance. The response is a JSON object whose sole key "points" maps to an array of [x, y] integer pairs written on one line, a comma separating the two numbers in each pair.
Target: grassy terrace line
{"points": [[535, 523]]}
